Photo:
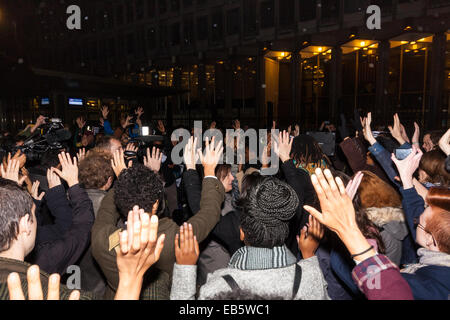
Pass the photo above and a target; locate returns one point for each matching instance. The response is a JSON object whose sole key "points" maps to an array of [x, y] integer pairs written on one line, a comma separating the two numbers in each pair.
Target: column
{"points": [[437, 74], [382, 80]]}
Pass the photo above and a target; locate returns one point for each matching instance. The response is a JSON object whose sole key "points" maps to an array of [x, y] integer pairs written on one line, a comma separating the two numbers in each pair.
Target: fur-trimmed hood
{"points": [[382, 216]]}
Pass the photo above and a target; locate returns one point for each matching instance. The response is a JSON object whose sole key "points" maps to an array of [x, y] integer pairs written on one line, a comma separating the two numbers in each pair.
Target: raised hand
{"points": [[105, 112], [367, 131], [283, 147], [131, 147], [34, 286], [444, 143], [190, 154], [186, 246], [416, 135], [289, 130], [118, 162], [353, 185], [310, 237], [52, 178], [139, 249], [213, 125], [213, 155], [274, 125], [11, 172], [21, 157], [153, 161], [338, 213], [69, 171], [139, 112], [408, 166], [35, 191], [396, 131], [81, 154], [127, 122], [265, 157], [80, 122]]}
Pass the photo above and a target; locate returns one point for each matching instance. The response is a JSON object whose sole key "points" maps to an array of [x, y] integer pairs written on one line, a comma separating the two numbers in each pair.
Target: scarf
{"points": [[253, 258], [428, 258]]}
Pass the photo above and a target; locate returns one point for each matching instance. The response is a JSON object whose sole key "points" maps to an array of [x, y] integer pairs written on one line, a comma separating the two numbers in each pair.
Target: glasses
{"points": [[423, 228]]}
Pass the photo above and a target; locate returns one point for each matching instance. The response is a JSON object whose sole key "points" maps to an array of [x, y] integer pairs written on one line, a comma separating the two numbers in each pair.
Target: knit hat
{"points": [[267, 210]]}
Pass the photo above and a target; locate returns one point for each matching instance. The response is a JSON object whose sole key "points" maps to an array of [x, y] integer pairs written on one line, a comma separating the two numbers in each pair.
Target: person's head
{"points": [[432, 168], [223, 173], [306, 150], [250, 180], [108, 144], [17, 219], [433, 230], [95, 171], [374, 192], [266, 212], [50, 159], [431, 140], [138, 186]]}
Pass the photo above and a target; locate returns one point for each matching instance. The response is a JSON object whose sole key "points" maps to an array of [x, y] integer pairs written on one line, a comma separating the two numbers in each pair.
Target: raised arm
{"points": [[338, 214]]}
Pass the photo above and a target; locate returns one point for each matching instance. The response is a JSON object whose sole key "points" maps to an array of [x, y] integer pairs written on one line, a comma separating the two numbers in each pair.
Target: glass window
{"points": [[267, 14], [188, 31], [151, 38], [307, 10], [187, 3], [286, 13], [163, 36], [162, 6], [175, 5], [233, 25], [119, 15], [249, 17], [217, 26], [130, 43], [202, 28], [352, 6], [130, 12], [151, 8], [175, 34], [139, 9], [111, 48], [330, 11]]}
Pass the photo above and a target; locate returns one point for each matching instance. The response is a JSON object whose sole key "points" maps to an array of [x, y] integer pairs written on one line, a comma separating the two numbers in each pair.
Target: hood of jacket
{"points": [[382, 216]]}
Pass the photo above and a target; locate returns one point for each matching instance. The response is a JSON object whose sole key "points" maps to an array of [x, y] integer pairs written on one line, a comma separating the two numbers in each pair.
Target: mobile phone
{"points": [[326, 122], [401, 154]]}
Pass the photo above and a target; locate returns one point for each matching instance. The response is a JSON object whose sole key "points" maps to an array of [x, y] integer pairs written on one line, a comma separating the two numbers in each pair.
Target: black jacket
{"points": [[58, 205], [300, 181], [55, 256]]}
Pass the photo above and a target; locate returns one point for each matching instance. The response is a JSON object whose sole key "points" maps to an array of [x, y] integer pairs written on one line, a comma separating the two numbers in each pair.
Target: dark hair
{"points": [[15, 203], [50, 159], [433, 163], [222, 170], [267, 209], [435, 136], [138, 186], [95, 170], [306, 150], [388, 143]]}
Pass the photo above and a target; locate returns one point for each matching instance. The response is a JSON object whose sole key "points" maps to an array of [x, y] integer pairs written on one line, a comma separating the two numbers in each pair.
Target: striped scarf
{"points": [[253, 258]]}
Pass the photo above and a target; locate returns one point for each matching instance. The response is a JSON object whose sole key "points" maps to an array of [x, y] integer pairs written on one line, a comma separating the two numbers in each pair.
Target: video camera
{"points": [[50, 136]]}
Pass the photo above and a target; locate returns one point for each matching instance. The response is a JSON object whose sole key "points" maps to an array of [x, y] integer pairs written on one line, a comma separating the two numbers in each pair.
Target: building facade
{"points": [[302, 61]]}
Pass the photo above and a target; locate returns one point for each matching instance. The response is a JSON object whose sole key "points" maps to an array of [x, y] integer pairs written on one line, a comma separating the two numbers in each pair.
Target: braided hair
{"points": [[267, 209]]}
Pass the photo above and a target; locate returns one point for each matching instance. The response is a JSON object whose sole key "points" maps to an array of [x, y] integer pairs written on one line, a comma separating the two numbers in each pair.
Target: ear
{"points": [[241, 234], [109, 183], [25, 225]]}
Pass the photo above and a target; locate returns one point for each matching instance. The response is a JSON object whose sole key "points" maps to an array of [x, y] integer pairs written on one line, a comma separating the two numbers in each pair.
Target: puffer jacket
{"points": [[393, 227]]}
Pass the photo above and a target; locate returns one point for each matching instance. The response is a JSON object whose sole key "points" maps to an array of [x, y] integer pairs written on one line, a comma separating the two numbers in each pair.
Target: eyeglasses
{"points": [[423, 228]]}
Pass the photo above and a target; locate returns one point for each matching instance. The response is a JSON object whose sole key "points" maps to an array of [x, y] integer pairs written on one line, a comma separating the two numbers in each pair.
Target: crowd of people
{"points": [[370, 221]]}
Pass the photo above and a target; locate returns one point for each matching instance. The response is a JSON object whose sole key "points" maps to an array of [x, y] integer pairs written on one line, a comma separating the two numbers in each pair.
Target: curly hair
{"points": [[439, 223], [267, 209], [138, 186], [95, 170]]}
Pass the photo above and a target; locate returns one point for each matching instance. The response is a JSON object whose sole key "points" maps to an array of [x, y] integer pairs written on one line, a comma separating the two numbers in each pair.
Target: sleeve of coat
{"points": [[193, 189], [207, 217], [58, 255], [59, 207], [106, 224]]}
